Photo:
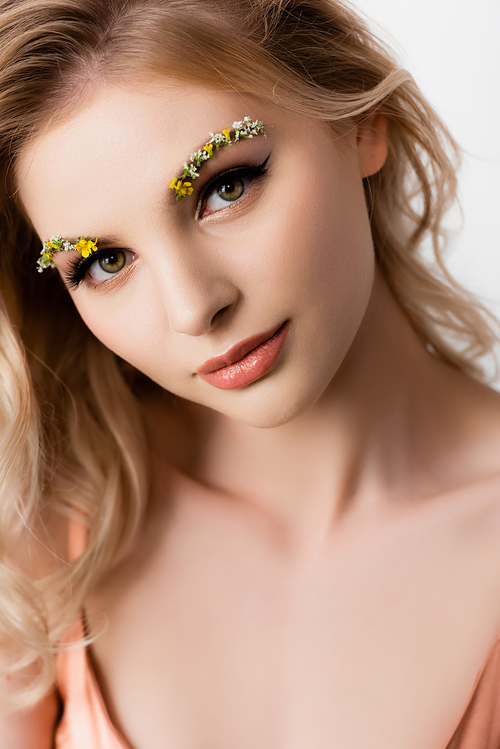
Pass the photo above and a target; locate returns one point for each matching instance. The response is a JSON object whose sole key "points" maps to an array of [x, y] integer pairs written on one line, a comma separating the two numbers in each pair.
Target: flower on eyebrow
{"points": [[86, 246], [199, 157], [189, 171], [182, 189], [57, 244], [245, 128]]}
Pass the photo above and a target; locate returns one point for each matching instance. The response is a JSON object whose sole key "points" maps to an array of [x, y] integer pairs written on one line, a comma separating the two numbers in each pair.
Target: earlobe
{"points": [[372, 144]]}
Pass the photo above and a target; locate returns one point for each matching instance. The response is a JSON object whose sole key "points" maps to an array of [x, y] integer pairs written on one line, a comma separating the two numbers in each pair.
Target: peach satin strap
{"points": [[85, 723], [479, 727]]}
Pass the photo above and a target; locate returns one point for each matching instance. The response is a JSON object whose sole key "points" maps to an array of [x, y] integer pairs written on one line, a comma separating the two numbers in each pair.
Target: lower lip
{"points": [[253, 366]]}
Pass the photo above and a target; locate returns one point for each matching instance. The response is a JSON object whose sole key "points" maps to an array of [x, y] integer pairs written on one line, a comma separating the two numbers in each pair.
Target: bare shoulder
{"points": [[458, 510], [465, 439], [29, 728], [32, 728], [474, 498], [476, 464], [36, 554]]}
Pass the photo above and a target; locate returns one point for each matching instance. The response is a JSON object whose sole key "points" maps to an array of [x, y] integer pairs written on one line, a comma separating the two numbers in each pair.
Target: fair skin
{"points": [[319, 564]]}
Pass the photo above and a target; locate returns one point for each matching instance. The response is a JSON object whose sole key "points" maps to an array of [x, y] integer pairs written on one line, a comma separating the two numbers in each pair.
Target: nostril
{"points": [[220, 313]]}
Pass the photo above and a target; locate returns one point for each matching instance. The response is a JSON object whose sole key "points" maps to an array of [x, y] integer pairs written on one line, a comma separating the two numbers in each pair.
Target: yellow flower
{"points": [[226, 133], [86, 246], [92, 245], [182, 189], [209, 148]]}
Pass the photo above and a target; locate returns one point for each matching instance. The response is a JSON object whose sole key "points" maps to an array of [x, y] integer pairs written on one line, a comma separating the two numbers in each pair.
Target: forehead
{"points": [[138, 133]]}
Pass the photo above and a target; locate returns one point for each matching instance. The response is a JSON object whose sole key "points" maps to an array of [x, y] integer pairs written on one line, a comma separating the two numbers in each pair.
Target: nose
{"points": [[196, 296]]}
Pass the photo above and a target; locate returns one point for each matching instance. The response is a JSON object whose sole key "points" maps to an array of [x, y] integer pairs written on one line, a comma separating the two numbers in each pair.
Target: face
{"points": [[276, 254]]}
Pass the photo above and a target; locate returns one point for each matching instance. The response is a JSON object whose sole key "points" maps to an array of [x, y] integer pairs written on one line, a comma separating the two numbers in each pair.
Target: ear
{"points": [[372, 144]]}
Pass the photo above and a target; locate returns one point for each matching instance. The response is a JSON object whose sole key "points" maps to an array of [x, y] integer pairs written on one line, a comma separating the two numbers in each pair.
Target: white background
{"points": [[452, 48]]}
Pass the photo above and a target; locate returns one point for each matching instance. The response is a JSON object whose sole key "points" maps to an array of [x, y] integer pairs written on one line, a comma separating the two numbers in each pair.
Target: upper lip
{"points": [[237, 352]]}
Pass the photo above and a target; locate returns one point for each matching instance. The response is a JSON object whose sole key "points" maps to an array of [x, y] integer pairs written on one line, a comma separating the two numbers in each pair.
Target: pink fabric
{"points": [[479, 727], [85, 723]]}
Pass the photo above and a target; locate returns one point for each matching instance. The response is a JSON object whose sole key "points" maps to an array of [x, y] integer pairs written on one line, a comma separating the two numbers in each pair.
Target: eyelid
{"points": [[245, 170]]}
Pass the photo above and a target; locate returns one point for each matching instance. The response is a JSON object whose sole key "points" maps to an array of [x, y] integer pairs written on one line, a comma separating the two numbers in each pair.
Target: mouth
{"points": [[246, 361]]}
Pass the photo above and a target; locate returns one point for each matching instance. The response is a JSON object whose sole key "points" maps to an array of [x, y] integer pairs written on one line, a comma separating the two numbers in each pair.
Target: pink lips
{"points": [[246, 361]]}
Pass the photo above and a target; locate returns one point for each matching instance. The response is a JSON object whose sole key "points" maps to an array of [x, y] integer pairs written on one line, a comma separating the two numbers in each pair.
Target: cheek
{"points": [[129, 330], [320, 244], [326, 254]]}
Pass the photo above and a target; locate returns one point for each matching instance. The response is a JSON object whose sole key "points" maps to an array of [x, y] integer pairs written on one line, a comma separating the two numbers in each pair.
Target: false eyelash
{"points": [[255, 172], [78, 268]]}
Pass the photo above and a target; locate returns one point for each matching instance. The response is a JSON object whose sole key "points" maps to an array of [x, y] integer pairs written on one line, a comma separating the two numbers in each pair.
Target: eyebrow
{"points": [[171, 194], [200, 148], [111, 241], [171, 197], [190, 170]]}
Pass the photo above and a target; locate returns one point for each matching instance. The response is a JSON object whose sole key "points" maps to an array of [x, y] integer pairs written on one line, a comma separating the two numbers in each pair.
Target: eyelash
{"points": [[252, 173], [78, 268]]}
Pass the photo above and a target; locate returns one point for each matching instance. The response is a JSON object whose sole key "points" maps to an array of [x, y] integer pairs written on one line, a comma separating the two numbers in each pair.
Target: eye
{"points": [[106, 265], [227, 191], [98, 268], [230, 187]]}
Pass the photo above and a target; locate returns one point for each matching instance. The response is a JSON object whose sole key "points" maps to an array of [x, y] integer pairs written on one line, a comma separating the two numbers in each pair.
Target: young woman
{"points": [[250, 467]]}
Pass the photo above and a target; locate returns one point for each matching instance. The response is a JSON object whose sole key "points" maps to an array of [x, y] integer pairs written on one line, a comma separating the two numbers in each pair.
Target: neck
{"points": [[385, 432]]}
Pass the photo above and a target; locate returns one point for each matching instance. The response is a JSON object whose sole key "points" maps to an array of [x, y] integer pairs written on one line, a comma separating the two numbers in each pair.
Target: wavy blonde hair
{"points": [[72, 441]]}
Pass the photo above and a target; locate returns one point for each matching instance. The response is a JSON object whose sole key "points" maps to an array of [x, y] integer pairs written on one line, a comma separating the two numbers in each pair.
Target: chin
{"points": [[268, 406]]}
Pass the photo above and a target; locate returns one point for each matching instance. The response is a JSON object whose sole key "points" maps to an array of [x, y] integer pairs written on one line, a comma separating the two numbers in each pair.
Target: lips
{"points": [[246, 361]]}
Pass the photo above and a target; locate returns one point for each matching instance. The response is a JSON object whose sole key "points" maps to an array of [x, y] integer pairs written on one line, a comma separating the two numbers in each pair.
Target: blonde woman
{"points": [[250, 465]]}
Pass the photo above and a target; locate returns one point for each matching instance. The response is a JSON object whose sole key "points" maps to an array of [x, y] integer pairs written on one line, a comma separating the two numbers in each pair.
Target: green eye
{"points": [[231, 189], [113, 262]]}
